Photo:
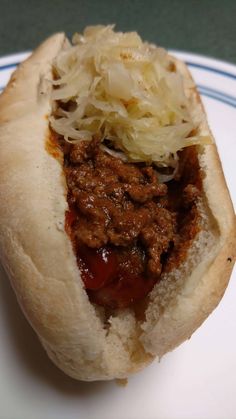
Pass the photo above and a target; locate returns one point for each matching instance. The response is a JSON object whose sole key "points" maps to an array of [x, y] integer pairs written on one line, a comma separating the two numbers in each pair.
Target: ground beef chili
{"points": [[126, 227]]}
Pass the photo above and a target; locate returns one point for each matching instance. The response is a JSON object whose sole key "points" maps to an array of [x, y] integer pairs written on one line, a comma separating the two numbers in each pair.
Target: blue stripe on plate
{"points": [[218, 92], [216, 97], [8, 66], [212, 69]]}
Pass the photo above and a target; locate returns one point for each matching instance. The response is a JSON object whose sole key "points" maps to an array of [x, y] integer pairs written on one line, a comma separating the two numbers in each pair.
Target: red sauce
{"points": [[111, 277], [123, 292], [98, 267]]}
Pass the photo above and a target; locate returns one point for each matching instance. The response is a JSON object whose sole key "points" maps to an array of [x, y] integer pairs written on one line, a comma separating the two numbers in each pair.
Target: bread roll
{"points": [[38, 257]]}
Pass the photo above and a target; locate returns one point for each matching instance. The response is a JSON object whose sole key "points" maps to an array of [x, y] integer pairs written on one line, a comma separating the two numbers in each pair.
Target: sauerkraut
{"points": [[124, 91]]}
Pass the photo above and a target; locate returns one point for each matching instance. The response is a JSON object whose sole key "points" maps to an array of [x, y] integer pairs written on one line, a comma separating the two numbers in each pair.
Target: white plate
{"points": [[197, 380]]}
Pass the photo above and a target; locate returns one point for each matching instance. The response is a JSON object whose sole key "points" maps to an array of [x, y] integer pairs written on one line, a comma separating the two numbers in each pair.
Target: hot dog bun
{"points": [[37, 253]]}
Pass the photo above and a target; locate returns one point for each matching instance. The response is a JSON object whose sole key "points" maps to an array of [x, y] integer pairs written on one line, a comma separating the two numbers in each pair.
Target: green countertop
{"points": [[206, 27]]}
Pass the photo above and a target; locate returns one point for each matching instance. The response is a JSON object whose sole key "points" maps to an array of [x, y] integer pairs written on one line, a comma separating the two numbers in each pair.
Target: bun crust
{"points": [[38, 256]]}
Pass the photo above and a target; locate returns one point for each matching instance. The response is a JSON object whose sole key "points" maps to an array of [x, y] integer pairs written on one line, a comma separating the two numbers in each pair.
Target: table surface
{"points": [[201, 26]]}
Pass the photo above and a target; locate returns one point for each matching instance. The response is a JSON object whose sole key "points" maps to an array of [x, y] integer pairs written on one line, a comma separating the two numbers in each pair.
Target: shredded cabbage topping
{"points": [[114, 86]]}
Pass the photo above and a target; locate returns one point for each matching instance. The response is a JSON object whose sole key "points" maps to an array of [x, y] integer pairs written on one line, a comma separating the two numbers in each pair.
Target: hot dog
{"points": [[117, 230]]}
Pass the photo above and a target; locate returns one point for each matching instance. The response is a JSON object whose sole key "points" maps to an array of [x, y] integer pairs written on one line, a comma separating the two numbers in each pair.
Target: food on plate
{"points": [[116, 226]]}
